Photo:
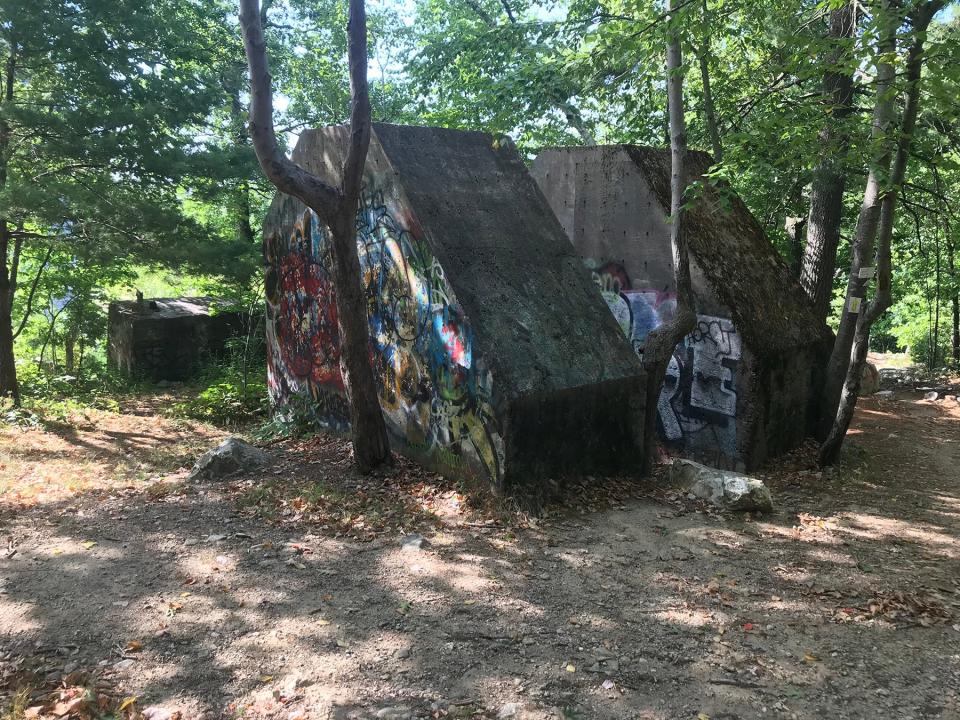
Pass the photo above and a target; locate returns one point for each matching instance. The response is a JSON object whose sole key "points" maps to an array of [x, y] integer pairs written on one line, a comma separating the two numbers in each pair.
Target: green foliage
{"points": [[296, 420]]}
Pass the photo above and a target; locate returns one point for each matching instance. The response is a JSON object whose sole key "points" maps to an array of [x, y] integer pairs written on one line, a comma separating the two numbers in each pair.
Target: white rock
{"points": [[721, 487], [509, 710]]}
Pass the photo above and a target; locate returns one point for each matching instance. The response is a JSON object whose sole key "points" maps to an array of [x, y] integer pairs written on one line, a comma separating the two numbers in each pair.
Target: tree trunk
{"points": [[9, 386], [337, 209], [955, 304], [709, 109], [829, 177], [660, 343], [830, 450], [867, 222], [366, 418]]}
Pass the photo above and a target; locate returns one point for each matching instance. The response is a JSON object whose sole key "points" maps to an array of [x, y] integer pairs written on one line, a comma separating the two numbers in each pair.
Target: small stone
{"points": [[396, 712], [403, 653], [931, 396], [124, 664], [414, 542], [509, 710]]}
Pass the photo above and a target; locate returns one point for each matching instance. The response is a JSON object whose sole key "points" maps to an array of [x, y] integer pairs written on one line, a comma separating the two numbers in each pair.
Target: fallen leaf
{"points": [[134, 646], [748, 627], [127, 702], [810, 658], [703, 716], [571, 668], [89, 543]]}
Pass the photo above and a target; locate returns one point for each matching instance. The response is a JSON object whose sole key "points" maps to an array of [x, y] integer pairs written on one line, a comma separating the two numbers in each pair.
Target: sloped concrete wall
{"points": [[722, 401], [484, 323]]}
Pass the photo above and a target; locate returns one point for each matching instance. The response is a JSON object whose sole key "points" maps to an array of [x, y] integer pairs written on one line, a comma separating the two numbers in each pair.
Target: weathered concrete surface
{"points": [[169, 338], [495, 355], [742, 386]]}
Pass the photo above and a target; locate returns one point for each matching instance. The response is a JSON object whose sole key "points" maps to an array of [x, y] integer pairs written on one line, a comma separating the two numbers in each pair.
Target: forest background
{"points": [[125, 164]]}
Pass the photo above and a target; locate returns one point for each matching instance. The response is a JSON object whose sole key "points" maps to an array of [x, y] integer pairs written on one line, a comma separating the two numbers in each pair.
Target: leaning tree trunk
{"points": [[861, 268], [829, 177], [337, 208], [872, 311], [659, 344]]}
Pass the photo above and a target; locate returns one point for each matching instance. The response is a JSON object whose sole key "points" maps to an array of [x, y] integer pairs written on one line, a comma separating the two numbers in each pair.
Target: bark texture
{"points": [[336, 208], [864, 242], [709, 109], [830, 450], [659, 344], [826, 191], [9, 385]]}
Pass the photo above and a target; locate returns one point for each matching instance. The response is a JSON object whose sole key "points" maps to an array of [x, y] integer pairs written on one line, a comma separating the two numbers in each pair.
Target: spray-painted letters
{"points": [[698, 403]]}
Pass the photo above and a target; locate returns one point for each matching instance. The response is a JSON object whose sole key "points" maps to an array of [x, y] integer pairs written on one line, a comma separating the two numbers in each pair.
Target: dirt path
{"points": [[291, 594]]}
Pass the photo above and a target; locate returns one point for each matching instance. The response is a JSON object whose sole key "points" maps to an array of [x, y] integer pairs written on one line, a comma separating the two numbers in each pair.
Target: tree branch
{"points": [[33, 291], [282, 172]]}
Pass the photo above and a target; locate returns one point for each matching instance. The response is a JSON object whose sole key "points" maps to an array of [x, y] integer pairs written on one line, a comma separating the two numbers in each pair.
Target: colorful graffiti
{"points": [[697, 407], [435, 390]]}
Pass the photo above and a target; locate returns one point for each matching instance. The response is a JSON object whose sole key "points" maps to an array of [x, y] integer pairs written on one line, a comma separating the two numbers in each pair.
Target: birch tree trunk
{"points": [[829, 177], [336, 207], [871, 312], [660, 343]]}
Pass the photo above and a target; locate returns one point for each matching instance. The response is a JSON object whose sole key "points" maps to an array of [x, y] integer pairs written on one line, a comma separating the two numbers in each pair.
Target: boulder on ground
{"points": [[725, 489], [869, 379], [228, 457]]}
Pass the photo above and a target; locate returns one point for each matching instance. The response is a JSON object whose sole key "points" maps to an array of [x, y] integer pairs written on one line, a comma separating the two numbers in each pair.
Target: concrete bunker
{"points": [[169, 338], [495, 356], [743, 385]]}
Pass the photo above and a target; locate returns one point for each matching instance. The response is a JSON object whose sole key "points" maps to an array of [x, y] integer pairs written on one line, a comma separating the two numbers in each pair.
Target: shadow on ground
{"points": [[844, 604]]}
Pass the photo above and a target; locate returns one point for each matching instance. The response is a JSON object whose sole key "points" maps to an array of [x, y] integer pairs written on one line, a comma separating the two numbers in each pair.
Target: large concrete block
{"points": [[495, 355], [743, 385], [169, 338]]}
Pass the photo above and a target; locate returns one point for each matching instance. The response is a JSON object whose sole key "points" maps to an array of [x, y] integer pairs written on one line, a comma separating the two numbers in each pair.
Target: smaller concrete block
{"points": [[722, 488], [231, 455]]}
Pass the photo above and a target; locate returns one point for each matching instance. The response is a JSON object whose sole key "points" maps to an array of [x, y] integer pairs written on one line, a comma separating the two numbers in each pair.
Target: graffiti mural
{"points": [[697, 407], [435, 391]]}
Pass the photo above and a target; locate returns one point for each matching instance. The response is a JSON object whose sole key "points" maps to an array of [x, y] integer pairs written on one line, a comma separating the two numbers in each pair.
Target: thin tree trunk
{"points": [[954, 302], [9, 386], [709, 109], [937, 288], [660, 343], [830, 450], [337, 209], [829, 177], [867, 223], [952, 270]]}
